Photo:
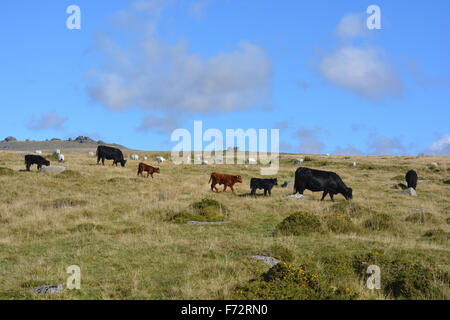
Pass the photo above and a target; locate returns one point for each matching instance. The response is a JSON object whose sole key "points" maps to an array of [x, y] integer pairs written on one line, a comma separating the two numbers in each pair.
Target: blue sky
{"points": [[137, 70]]}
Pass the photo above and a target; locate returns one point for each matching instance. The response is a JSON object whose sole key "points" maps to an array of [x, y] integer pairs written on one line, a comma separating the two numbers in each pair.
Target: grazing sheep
{"points": [[61, 157], [160, 159], [134, 157]]}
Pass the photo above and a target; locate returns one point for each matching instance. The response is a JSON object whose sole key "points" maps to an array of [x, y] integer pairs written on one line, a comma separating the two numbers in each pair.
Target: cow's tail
{"points": [[210, 178]]}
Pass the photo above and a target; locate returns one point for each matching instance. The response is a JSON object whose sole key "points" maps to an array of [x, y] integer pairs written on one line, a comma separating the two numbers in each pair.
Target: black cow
{"points": [[31, 159], [110, 153], [318, 180], [266, 184], [411, 179]]}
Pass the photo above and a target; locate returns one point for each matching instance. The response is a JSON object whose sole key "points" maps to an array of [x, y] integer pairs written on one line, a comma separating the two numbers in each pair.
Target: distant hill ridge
{"points": [[12, 144]]}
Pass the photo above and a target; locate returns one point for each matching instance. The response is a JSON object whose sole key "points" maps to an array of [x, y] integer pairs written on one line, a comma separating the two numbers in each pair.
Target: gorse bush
{"points": [[282, 253], [299, 223]]}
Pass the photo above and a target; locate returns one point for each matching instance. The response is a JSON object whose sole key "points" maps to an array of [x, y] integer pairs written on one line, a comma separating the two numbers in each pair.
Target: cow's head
{"points": [[237, 179], [275, 182], [157, 170], [348, 194], [46, 163], [122, 162]]}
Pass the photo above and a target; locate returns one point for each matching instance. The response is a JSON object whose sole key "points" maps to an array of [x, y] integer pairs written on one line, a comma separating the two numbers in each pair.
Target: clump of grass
{"points": [[437, 235], [86, 227], [308, 159], [281, 253], [69, 174], [206, 210], [350, 208], [299, 223], [419, 217], [64, 203], [51, 157], [379, 222], [340, 223], [286, 281], [6, 171], [398, 178]]}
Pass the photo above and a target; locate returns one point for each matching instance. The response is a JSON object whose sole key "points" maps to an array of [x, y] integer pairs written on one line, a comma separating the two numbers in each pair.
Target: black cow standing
{"points": [[411, 179], [266, 184], [318, 180], [110, 153], [31, 159]]}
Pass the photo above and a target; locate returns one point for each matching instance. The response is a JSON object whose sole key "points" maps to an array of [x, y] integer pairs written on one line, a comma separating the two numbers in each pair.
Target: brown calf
{"points": [[150, 170], [226, 179]]}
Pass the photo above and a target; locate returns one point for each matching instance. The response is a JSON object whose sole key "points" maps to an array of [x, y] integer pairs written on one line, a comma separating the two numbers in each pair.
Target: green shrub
{"points": [[299, 223], [286, 281], [379, 222], [402, 277], [340, 223], [209, 207]]}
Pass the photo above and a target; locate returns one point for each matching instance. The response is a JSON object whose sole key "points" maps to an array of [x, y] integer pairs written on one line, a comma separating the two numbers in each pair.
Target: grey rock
{"points": [[298, 197], [82, 139], [409, 192], [53, 169], [207, 223], [271, 261], [56, 288], [353, 164], [418, 210], [287, 184]]}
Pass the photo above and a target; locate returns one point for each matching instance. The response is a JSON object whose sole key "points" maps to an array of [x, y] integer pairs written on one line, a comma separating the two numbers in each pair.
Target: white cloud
{"points": [[381, 145], [148, 74], [309, 140], [352, 25], [348, 151], [362, 71], [441, 146], [47, 121]]}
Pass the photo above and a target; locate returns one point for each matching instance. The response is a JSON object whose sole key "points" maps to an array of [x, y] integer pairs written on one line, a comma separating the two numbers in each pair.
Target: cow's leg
{"points": [[225, 188], [39, 167], [98, 159], [270, 192], [324, 195], [151, 175], [331, 196], [232, 189], [103, 160], [265, 192]]}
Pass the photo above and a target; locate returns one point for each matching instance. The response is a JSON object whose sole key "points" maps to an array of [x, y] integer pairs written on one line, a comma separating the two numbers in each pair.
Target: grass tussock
{"points": [[299, 223], [64, 203], [379, 222], [6, 172], [206, 210]]}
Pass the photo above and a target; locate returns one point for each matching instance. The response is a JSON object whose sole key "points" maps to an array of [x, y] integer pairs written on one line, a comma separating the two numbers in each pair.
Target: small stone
{"points": [[298, 161], [57, 288], [409, 192], [271, 261], [298, 197]]}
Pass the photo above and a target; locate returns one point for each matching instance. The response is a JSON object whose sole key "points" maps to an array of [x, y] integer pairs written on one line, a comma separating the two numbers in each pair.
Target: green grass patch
{"points": [[379, 222]]}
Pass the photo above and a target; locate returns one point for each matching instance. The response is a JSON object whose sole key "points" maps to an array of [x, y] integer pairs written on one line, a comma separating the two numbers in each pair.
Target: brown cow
{"points": [[150, 170], [226, 179]]}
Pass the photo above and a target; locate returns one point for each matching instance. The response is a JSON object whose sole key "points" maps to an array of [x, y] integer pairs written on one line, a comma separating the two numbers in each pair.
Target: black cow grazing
{"points": [[318, 180], [110, 153], [31, 159], [266, 184], [411, 179]]}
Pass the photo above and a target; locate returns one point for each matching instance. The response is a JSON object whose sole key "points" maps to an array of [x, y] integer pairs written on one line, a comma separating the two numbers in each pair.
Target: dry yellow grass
{"points": [[113, 225]]}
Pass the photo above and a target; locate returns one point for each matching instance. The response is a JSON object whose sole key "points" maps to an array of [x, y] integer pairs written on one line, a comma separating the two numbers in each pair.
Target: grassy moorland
{"points": [[128, 237]]}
